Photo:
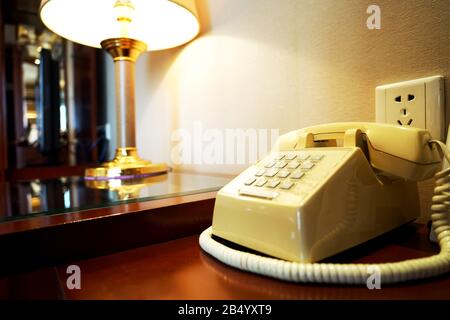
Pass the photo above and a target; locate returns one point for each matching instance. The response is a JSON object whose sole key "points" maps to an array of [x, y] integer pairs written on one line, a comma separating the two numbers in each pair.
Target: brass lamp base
{"points": [[126, 165]]}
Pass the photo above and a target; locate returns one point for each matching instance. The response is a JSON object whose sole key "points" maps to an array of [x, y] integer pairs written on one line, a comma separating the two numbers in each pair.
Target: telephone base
{"points": [[337, 204]]}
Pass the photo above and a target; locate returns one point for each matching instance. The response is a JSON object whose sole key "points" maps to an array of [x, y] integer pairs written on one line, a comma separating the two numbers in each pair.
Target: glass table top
{"points": [[23, 199]]}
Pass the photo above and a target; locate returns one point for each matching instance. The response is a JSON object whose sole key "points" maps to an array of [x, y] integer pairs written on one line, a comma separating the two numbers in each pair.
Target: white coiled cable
{"points": [[395, 272]]}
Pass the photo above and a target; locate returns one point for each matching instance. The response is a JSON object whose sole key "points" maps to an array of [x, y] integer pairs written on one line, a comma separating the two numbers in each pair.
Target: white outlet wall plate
{"points": [[416, 103]]}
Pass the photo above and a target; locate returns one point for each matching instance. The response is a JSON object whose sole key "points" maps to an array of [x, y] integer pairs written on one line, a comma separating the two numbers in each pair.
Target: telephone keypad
{"points": [[283, 170]]}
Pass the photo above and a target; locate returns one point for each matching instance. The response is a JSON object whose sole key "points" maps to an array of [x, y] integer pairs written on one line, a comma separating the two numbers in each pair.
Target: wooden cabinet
{"points": [[52, 112]]}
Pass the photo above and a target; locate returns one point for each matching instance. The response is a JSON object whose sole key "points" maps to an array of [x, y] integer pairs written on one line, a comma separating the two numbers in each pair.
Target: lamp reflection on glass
{"points": [[125, 29], [126, 189]]}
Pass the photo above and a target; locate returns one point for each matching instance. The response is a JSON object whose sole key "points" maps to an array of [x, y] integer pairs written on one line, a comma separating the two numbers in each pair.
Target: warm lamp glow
{"points": [[124, 29], [161, 24]]}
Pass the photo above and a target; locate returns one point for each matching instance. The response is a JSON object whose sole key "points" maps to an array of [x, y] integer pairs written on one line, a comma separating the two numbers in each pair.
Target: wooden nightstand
{"points": [[149, 250]]}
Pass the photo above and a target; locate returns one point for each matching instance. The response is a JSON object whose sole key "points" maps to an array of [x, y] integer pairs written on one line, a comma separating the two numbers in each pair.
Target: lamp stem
{"points": [[126, 163], [125, 103], [125, 52]]}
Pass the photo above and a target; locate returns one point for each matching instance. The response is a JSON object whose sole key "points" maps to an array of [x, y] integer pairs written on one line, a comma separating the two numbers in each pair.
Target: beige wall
{"points": [[337, 53], [241, 74], [286, 64]]}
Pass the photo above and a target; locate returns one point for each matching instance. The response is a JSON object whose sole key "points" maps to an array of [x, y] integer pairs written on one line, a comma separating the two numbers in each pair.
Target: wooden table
{"points": [[99, 221], [148, 249], [178, 269]]}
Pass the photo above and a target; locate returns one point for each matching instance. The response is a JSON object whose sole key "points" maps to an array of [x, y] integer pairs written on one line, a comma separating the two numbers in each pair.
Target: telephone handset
{"points": [[399, 151], [325, 189]]}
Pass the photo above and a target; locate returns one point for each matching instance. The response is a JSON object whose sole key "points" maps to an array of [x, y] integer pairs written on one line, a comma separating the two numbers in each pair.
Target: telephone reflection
{"points": [[323, 190]]}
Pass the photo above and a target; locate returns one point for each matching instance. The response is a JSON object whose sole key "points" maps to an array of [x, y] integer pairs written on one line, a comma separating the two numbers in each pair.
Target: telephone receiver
{"points": [[394, 151], [325, 189]]}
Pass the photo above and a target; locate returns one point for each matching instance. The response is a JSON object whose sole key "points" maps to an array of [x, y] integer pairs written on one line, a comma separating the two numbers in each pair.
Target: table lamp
{"points": [[125, 29]]}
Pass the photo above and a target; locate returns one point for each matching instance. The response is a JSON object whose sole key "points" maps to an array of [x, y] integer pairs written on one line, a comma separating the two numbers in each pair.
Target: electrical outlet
{"points": [[416, 103]]}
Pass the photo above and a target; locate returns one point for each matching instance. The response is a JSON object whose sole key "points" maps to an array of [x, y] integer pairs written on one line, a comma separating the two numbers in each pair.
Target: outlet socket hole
{"points": [[404, 112], [411, 97], [399, 122], [410, 121], [398, 99]]}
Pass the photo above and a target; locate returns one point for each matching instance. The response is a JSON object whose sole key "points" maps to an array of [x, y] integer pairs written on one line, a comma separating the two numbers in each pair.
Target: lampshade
{"points": [[160, 24]]}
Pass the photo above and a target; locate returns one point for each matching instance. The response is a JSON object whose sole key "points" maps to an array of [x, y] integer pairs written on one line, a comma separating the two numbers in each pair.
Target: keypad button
{"points": [[290, 156], [286, 185], [270, 164], [281, 164], [260, 182], [303, 156], [297, 175], [279, 156], [284, 174], [260, 173], [250, 181], [273, 183], [271, 172], [293, 165], [317, 157], [307, 165], [259, 193]]}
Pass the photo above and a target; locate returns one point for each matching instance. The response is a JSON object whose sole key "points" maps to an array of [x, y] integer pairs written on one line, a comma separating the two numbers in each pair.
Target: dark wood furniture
{"points": [[3, 141], [84, 144], [69, 219], [179, 269]]}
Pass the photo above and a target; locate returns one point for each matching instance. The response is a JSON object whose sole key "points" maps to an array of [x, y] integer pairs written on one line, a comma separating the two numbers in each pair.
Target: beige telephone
{"points": [[325, 189]]}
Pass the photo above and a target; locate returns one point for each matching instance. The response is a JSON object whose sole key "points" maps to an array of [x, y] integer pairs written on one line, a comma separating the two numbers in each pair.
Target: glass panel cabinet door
{"points": [[54, 94]]}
